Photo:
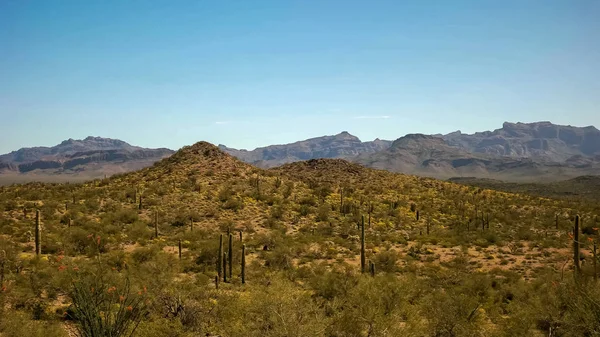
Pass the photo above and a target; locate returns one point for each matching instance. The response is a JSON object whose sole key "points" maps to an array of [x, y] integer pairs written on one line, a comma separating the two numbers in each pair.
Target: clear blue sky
{"points": [[252, 73]]}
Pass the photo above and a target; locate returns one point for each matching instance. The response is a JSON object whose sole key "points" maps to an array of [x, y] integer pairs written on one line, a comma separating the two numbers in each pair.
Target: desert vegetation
{"points": [[201, 244]]}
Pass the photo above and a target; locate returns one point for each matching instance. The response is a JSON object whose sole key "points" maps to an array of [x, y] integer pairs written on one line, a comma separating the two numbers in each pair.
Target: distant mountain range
{"points": [[88, 158], [516, 152], [343, 145]]}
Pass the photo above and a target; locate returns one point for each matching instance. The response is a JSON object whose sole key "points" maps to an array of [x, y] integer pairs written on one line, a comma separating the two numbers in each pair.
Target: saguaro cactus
{"points": [[362, 245], [230, 254], [576, 247], [482, 222], [225, 267], [241, 237], [156, 224], [418, 215], [258, 185], [220, 257], [243, 264], [38, 234], [2, 264], [372, 268], [595, 262], [179, 246], [217, 282]]}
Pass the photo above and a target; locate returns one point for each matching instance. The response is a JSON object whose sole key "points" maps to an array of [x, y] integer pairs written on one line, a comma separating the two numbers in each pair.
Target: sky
{"points": [[254, 73]]}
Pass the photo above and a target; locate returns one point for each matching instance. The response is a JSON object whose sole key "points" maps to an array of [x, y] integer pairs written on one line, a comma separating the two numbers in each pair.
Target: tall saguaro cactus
{"points": [[225, 267], [156, 225], [576, 247], [179, 246], [243, 264], [257, 186], [341, 200], [38, 234], [594, 251], [230, 255], [220, 257], [362, 245], [2, 263]]}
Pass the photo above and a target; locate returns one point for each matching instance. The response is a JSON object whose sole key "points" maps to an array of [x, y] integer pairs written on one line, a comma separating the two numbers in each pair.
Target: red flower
{"points": [[130, 308]]}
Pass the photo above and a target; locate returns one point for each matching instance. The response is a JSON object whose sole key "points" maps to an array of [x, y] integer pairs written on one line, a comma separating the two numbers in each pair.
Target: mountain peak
{"points": [[345, 135], [417, 140], [202, 148]]}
